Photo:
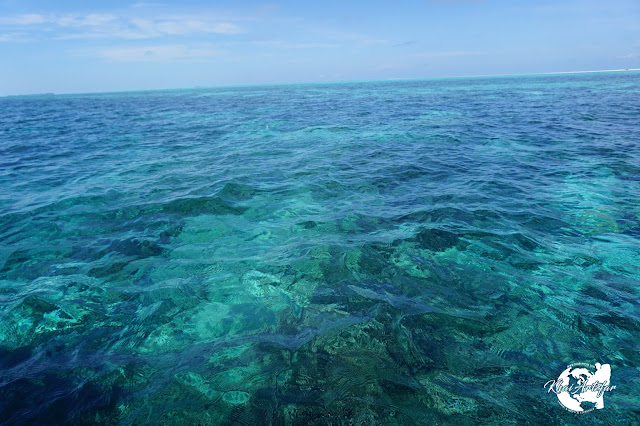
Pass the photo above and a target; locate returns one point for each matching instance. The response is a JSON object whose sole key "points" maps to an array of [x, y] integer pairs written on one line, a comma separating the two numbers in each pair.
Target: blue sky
{"points": [[82, 46]]}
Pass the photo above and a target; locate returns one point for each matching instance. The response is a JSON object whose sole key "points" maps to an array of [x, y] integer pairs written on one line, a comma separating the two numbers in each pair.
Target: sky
{"points": [[72, 46]]}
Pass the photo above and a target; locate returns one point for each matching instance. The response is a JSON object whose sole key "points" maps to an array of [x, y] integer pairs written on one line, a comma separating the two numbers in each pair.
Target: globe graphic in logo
{"points": [[582, 386]]}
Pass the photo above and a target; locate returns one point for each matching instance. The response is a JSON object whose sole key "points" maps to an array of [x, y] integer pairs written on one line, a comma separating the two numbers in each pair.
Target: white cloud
{"points": [[94, 25], [28, 19], [67, 20], [187, 26], [310, 45], [158, 53], [446, 54], [90, 20], [10, 37], [267, 7], [436, 2], [347, 36], [286, 45], [142, 4]]}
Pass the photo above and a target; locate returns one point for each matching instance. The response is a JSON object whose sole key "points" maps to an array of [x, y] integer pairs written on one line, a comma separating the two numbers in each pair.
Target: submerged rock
{"points": [[135, 247], [202, 205], [233, 191], [32, 317], [236, 397], [436, 239]]}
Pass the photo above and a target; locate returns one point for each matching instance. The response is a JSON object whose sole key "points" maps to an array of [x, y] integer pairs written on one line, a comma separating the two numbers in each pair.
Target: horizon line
{"points": [[324, 82]]}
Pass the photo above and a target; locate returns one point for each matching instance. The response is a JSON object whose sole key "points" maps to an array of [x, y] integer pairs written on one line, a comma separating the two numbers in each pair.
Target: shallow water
{"points": [[412, 252]]}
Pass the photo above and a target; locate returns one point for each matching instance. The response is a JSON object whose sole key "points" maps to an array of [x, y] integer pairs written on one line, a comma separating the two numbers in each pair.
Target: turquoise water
{"points": [[413, 252]]}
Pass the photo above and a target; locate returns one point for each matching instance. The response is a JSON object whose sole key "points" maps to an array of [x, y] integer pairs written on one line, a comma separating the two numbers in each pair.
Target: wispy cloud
{"points": [[406, 43], [143, 4], [435, 2], [184, 26], [446, 54], [630, 56], [95, 25], [27, 19], [10, 37], [346, 36], [159, 53], [287, 45], [268, 7], [92, 19]]}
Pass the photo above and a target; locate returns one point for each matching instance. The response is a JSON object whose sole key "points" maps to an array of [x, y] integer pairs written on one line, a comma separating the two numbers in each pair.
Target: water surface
{"points": [[413, 252]]}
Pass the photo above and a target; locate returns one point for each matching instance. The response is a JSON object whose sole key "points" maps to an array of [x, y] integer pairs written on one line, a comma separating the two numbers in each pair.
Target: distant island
{"points": [[557, 72]]}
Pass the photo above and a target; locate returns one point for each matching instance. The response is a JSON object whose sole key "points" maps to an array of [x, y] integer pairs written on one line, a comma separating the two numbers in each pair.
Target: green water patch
{"points": [[201, 205]]}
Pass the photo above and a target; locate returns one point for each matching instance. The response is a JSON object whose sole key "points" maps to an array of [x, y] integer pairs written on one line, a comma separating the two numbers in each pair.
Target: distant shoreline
{"points": [[551, 73]]}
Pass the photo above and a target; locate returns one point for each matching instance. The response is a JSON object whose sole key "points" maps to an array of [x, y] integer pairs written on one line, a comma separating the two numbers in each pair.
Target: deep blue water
{"points": [[411, 252]]}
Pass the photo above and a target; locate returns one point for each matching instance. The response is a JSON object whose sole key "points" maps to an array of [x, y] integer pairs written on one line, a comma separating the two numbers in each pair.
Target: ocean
{"points": [[403, 252]]}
